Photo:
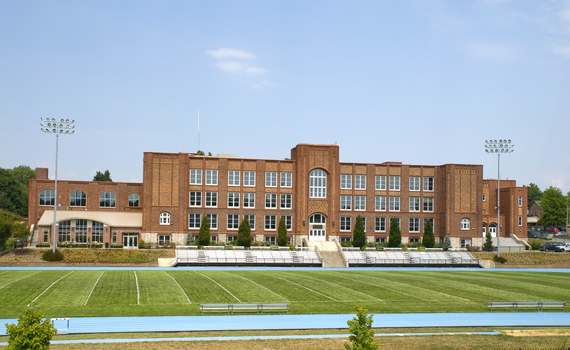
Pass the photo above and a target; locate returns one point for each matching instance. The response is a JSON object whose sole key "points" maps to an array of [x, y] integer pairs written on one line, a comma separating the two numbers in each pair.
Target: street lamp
{"points": [[52, 126], [501, 146]]}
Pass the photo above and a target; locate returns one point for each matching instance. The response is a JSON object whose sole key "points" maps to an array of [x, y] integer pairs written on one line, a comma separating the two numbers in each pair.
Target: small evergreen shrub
{"points": [[49, 255], [346, 244], [43, 245], [499, 259]]}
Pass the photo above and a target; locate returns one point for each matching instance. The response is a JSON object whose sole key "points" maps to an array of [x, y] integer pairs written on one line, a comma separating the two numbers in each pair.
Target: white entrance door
{"points": [[493, 230], [130, 240], [317, 227]]}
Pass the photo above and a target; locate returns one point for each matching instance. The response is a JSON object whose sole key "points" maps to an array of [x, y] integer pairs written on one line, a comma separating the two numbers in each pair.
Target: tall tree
{"points": [[395, 238], [204, 235], [534, 193], [20, 232], [244, 233], [282, 233], [429, 238], [99, 176], [553, 205], [358, 235], [488, 246], [14, 189]]}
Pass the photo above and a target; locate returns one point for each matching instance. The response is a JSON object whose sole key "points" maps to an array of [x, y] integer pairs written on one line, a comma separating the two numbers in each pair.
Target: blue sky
{"points": [[420, 82]]}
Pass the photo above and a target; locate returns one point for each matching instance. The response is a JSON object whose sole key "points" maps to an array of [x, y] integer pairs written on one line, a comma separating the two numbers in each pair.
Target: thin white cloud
{"points": [[240, 68], [224, 52], [562, 50], [489, 51], [235, 61]]}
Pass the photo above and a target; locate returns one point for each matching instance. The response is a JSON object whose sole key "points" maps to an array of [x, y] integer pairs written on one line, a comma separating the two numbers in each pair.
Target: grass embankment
{"points": [[82, 255], [529, 257]]}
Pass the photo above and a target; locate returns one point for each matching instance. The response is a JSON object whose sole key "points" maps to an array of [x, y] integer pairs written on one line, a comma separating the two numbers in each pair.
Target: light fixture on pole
{"points": [[52, 126], [498, 147]]}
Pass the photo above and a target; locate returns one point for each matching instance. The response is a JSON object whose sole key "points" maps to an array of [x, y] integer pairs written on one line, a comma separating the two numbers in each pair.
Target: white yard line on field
{"points": [[49, 287], [236, 298], [92, 289], [138, 293], [245, 278], [338, 285], [381, 286], [7, 284], [175, 281], [300, 285]]}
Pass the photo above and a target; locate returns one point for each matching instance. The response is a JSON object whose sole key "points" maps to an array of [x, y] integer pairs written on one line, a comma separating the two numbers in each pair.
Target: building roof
{"points": [[109, 218]]}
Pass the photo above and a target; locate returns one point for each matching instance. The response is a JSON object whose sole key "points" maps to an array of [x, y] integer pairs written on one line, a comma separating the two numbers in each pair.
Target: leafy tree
{"points": [[99, 176], [358, 235], [14, 189], [534, 193], [446, 243], [282, 233], [204, 235], [362, 337], [395, 238], [429, 238], [553, 205], [200, 153], [33, 331], [190, 240], [488, 246], [244, 233], [20, 232]]}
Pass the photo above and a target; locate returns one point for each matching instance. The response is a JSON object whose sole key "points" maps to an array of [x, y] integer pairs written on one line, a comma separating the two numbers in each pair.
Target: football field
{"points": [[74, 293]]}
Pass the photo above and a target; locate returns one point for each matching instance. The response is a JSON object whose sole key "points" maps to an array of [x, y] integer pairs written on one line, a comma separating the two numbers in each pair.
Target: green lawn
{"points": [[72, 293]]}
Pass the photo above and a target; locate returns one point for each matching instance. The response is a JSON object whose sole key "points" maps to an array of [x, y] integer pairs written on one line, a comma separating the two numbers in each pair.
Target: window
{"points": [[359, 202], [288, 221], [520, 220], [380, 224], [214, 239], [232, 238], [520, 202], [345, 181], [249, 178], [211, 177], [194, 221], [414, 203], [213, 219], [380, 203], [46, 236], [63, 231], [211, 199], [428, 204], [364, 222], [414, 225], [428, 184], [251, 220], [465, 243], [97, 232], [249, 200], [47, 197], [165, 218], [81, 231], [465, 223], [114, 237], [233, 178], [107, 200], [484, 230], [133, 200], [195, 199], [270, 179], [380, 182], [270, 223], [286, 179], [233, 199], [345, 202], [359, 182], [414, 183], [163, 240], [271, 200], [286, 202], [380, 240], [77, 199], [233, 221], [345, 223], [394, 203], [414, 240], [394, 183], [431, 221], [318, 184], [345, 239], [484, 197], [195, 176], [270, 239]]}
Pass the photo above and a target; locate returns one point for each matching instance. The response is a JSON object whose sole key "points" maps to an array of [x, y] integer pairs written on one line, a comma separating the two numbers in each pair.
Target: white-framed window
{"points": [[380, 181], [380, 240], [359, 182], [233, 199], [233, 178], [414, 225], [363, 222], [394, 183], [520, 201], [394, 204], [270, 222], [359, 202], [195, 199], [414, 203], [195, 176], [414, 183], [380, 203], [270, 179], [286, 201], [465, 242], [380, 224], [231, 238], [194, 221], [64, 231], [164, 218], [133, 200], [214, 239], [288, 221], [271, 200], [249, 178], [345, 239], [46, 236], [345, 202], [520, 220], [212, 177], [114, 237], [465, 224], [81, 231], [484, 230], [233, 221], [77, 199], [211, 199], [47, 197], [163, 240], [345, 181], [414, 240], [431, 220], [428, 204], [213, 219], [270, 239], [428, 183], [96, 232], [484, 197], [318, 184], [251, 220], [345, 223], [286, 179], [249, 200], [396, 220], [107, 200]]}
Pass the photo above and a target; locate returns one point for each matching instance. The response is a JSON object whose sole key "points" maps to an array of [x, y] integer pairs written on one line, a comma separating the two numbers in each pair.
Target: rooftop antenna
{"points": [[198, 129]]}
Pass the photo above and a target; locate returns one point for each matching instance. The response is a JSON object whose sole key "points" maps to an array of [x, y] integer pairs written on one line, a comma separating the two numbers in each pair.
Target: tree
{"points": [[553, 205], [446, 243], [488, 246], [204, 235], [99, 176], [282, 233], [20, 232], [244, 233], [395, 238], [362, 337], [358, 235], [190, 239], [533, 193], [429, 238], [33, 331], [14, 189]]}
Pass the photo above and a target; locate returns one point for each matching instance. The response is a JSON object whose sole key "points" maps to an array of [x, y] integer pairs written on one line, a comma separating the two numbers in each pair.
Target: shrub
{"points": [[446, 243], [282, 233], [43, 245], [488, 246], [49, 255], [144, 245], [499, 259], [346, 244], [359, 236], [244, 233], [362, 337], [204, 235], [33, 331], [114, 246], [395, 238], [535, 244], [429, 238]]}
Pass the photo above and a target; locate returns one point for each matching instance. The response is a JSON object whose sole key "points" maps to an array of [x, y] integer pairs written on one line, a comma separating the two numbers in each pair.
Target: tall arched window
{"points": [[133, 200], [465, 224], [165, 218], [47, 197], [107, 200], [318, 184], [77, 199]]}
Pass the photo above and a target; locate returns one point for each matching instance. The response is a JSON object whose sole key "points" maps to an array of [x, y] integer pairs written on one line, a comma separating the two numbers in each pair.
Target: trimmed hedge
{"points": [[49, 255], [116, 255]]}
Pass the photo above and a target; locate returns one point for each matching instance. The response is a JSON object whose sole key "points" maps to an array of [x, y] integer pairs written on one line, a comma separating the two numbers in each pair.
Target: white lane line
{"points": [[338, 285], [381, 286], [7, 284], [302, 286], [236, 298], [92, 289], [138, 292], [175, 281], [279, 295], [49, 287]]}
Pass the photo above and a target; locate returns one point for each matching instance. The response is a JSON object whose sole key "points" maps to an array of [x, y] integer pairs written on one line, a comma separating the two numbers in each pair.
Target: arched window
{"points": [[77, 199], [318, 184], [317, 219], [47, 197], [133, 200], [165, 218], [484, 229], [465, 224], [107, 200]]}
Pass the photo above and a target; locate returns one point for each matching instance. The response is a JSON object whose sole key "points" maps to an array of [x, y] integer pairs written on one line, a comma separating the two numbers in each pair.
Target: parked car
{"points": [[545, 235], [563, 248], [551, 246], [562, 229], [553, 229], [532, 233]]}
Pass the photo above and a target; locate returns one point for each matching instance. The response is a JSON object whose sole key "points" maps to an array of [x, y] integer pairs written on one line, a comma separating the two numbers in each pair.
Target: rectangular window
{"points": [[233, 221], [428, 204], [114, 238], [520, 220], [233, 178], [465, 243], [345, 202], [270, 179], [270, 239], [163, 240], [195, 176], [394, 183], [414, 225], [359, 202], [81, 231], [270, 223], [414, 183], [211, 199], [233, 199], [271, 200], [97, 232], [359, 182], [286, 201], [364, 222], [345, 181], [380, 183], [380, 224], [520, 201], [428, 184], [414, 203], [213, 218], [249, 200], [194, 221], [288, 221], [212, 177], [232, 238], [414, 240], [249, 178], [345, 223], [251, 220], [195, 199], [380, 203], [214, 239], [286, 179], [380, 240], [394, 203], [64, 229], [484, 197], [431, 220]]}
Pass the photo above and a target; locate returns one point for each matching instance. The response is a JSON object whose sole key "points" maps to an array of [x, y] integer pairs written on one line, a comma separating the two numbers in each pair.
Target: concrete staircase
{"points": [[329, 253]]}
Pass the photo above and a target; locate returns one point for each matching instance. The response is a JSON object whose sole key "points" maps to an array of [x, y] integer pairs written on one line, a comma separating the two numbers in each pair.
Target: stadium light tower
{"points": [[498, 147], [52, 126]]}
